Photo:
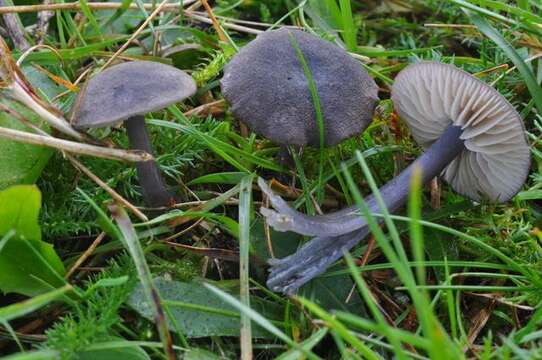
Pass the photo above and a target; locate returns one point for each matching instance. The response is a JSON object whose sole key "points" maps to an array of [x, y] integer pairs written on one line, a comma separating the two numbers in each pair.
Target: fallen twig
{"points": [[85, 255], [43, 23], [14, 28], [75, 147], [135, 34], [76, 6], [214, 21], [115, 195]]}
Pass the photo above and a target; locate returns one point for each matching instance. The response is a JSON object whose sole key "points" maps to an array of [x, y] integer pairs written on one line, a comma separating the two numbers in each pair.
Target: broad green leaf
{"points": [[151, 294], [19, 163], [335, 293], [198, 312], [259, 318], [19, 211], [283, 243], [28, 265], [45, 87]]}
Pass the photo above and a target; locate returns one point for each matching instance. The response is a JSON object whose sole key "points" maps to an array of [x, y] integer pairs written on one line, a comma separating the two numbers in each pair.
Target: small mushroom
{"points": [[126, 92], [472, 136], [267, 88]]}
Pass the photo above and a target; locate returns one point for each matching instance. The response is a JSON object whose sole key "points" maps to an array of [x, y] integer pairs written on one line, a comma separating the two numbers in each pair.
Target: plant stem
{"points": [[74, 147]]}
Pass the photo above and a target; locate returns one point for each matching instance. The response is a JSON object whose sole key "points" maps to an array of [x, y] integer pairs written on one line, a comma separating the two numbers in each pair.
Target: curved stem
{"points": [[395, 192], [154, 189], [340, 231]]}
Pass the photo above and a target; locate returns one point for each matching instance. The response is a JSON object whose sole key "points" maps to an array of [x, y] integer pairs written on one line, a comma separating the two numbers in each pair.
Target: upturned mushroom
{"points": [[126, 92], [268, 90], [472, 136]]}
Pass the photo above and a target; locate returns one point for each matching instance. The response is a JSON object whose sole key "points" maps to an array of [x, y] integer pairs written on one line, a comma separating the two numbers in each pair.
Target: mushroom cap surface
{"points": [[429, 96], [130, 89], [267, 88]]}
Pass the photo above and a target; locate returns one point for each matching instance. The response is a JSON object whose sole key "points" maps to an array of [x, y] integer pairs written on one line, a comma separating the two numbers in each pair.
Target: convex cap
{"points": [[267, 88], [429, 96], [130, 89]]}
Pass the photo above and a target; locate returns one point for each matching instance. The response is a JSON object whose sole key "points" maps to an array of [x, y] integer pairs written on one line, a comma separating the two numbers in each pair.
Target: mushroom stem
{"points": [[432, 162], [338, 232], [284, 157], [154, 189]]}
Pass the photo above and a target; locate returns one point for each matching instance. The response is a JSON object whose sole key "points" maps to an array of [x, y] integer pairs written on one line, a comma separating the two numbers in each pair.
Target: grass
{"points": [[459, 281]]}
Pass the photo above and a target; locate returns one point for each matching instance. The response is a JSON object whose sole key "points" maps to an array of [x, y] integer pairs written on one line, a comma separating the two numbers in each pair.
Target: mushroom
{"points": [[126, 92], [471, 135], [267, 88]]}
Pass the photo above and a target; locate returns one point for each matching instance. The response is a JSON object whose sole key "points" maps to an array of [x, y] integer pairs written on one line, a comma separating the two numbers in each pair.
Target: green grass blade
{"points": [[452, 316], [528, 76], [370, 302], [10, 312], [349, 28], [90, 17], [317, 108], [131, 241], [300, 171], [340, 329], [397, 256], [366, 325], [308, 344], [416, 236], [245, 207], [221, 148], [125, 4], [532, 275]]}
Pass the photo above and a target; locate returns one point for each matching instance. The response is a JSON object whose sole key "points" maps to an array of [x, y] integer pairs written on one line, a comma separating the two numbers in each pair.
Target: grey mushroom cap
{"points": [[130, 89], [267, 88], [430, 96]]}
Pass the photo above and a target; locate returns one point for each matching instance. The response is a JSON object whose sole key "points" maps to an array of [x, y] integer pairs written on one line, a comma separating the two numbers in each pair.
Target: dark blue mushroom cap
{"points": [[267, 88], [130, 89]]}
